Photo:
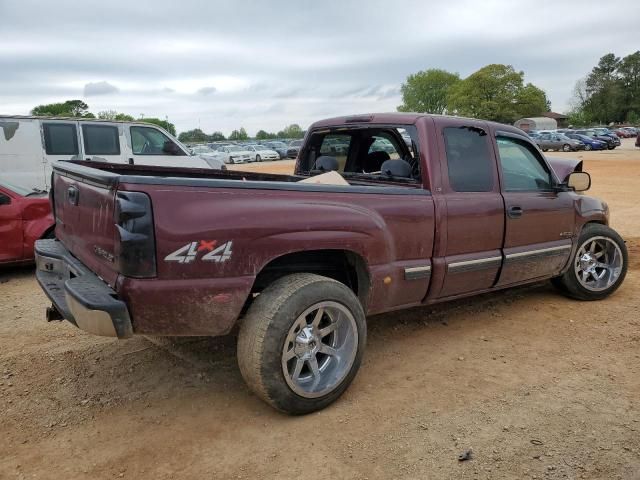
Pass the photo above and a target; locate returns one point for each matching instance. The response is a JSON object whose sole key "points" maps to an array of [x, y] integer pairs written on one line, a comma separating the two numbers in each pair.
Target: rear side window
{"points": [[469, 162], [101, 140], [60, 138]]}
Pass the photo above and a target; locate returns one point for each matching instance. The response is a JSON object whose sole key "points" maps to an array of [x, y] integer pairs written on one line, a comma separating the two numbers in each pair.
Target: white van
{"points": [[28, 146]]}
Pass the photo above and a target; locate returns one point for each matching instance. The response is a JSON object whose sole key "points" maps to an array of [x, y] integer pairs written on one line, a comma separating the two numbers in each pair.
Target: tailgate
{"points": [[85, 224]]}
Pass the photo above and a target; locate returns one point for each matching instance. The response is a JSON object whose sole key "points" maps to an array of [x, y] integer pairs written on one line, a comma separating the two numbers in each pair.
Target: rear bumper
{"points": [[78, 294]]}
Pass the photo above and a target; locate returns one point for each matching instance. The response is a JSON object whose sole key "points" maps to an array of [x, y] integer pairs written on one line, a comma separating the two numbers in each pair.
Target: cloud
{"points": [[205, 91], [99, 88], [270, 64]]}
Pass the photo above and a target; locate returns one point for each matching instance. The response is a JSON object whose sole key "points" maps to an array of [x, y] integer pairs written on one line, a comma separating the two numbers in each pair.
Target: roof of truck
{"points": [[398, 118]]}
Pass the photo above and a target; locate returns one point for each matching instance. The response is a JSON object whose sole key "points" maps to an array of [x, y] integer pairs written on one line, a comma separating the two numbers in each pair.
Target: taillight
{"points": [[135, 249]]}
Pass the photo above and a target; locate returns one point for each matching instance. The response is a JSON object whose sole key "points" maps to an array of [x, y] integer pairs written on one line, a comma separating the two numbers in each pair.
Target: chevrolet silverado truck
{"points": [[428, 209]]}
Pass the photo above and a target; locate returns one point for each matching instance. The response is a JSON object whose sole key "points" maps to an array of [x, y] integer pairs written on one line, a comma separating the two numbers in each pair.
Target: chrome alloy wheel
{"points": [[598, 263], [319, 349]]}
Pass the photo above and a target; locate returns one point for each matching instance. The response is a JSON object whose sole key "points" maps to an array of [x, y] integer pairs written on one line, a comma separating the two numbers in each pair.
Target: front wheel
{"points": [[258, 159], [301, 342], [598, 266], [587, 147], [566, 148]]}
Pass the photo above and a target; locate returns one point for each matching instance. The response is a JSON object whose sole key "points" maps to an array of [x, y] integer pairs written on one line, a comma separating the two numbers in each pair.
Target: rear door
{"points": [[474, 219], [540, 220]]}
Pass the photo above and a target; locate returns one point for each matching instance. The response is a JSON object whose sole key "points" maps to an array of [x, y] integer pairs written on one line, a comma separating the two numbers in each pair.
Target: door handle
{"points": [[514, 212]]}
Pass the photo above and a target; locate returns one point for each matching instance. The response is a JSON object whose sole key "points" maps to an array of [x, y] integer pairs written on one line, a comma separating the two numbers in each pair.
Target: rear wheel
{"points": [[566, 147], [301, 342], [598, 267], [258, 159]]}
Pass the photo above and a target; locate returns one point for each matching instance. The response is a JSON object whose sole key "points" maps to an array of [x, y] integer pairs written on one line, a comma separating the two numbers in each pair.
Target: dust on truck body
{"points": [[428, 209]]}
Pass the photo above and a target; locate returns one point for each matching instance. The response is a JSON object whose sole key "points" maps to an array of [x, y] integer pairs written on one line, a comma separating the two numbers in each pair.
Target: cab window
{"points": [[149, 141], [101, 140], [522, 169], [469, 161]]}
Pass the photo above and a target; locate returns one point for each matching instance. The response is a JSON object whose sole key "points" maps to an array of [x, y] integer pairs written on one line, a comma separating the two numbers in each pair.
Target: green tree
{"points": [[497, 92], [264, 135], [610, 92], [217, 137], [70, 108], [169, 127], [239, 134], [113, 115], [604, 93], [427, 91], [291, 131], [195, 135]]}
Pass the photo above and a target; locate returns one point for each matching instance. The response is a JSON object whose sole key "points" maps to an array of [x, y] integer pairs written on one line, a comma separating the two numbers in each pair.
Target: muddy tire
{"points": [[301, 343], [598, 266]]}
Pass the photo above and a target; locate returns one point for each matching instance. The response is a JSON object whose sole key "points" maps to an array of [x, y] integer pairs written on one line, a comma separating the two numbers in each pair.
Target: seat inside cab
{"points": [[378, 153]]}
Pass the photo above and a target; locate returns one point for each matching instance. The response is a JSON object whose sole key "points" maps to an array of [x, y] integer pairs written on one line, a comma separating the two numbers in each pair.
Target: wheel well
{"points": [[49, 232], [341, 265]]}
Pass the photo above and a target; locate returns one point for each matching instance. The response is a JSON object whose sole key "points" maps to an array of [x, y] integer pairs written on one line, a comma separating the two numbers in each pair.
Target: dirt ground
{"points": [[538, 386]]}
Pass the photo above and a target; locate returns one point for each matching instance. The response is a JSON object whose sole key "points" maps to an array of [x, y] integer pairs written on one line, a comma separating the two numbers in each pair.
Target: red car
{"points": [[25, 216]]}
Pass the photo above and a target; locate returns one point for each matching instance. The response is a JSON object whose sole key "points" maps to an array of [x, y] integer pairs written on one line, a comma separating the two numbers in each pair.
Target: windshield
{"points": [[234, 149], [296, 143], [563, 137]]}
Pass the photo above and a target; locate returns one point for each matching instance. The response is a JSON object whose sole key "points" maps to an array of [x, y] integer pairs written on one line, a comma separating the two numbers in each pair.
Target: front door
{"points": [[149, 146], [540, 220], [474, 209]]}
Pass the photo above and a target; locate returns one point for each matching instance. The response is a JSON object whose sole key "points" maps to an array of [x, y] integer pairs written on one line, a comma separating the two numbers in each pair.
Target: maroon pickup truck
{"points": [[425, 209]]}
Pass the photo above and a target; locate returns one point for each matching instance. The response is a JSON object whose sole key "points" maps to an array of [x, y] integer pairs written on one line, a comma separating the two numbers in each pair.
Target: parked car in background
{"points": [[623, 133], [294, 148], [25, 216], [610, 141], [30, 145], [234, 154], [260, 153], [558, 142], [279, 147], [603, 131], [633, 130], [590, 143], [213, 157]]}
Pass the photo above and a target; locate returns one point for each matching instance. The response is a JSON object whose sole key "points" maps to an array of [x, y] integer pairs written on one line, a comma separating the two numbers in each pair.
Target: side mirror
{"points": [[5, 200], [579, 181]]}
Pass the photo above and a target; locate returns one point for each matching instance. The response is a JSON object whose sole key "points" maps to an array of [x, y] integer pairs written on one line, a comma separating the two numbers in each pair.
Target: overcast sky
{"points": [[221, 65]]}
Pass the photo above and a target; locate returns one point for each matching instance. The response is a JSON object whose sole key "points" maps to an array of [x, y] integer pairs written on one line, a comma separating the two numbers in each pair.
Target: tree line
{"points": [[610, 93], [494, 92], [79, 109], [198, 136]]}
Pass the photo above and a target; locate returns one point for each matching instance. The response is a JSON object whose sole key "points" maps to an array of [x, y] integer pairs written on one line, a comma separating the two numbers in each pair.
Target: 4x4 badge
{"points": [[191, 250]]}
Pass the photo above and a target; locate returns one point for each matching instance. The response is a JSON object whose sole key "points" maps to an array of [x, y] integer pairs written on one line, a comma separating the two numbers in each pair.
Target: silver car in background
{"points": [[260, 153]]}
